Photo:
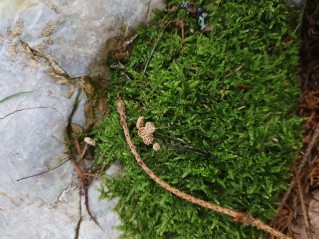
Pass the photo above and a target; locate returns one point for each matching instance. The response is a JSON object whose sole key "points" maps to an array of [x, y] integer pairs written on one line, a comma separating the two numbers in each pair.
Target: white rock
{"points": [[42, 44], [102, 210], [76, 33]]}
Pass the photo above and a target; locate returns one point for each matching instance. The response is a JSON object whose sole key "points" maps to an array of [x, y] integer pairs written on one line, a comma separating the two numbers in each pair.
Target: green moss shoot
{"points": [[224, 104]]}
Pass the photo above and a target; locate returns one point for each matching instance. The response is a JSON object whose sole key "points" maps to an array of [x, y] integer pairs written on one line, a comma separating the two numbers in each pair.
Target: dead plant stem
{"points": [[302, 202], [306, 157], [154, 47]]}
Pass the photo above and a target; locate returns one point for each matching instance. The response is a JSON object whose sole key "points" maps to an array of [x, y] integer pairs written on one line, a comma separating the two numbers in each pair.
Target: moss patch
{"points": [[223, 103]]}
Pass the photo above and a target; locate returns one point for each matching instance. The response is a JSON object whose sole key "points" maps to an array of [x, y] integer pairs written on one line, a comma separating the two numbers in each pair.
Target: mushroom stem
{"points": [[180, 25]]}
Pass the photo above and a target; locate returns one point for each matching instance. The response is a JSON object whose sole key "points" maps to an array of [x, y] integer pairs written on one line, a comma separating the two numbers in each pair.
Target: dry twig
{"points": [[302, 202], [307, 156], [237, 216], [85, 178]]}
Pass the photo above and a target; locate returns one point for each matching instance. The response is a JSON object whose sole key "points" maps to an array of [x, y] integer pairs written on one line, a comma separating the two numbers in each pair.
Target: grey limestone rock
{"points": [[76, 33], [45, 47]]}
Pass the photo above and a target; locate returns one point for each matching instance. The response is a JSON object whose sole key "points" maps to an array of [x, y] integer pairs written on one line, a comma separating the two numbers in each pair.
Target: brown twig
{"points": [[47, 171], [237, 216], [84, 177], [302, 202], [85, 181], [305, 158]]}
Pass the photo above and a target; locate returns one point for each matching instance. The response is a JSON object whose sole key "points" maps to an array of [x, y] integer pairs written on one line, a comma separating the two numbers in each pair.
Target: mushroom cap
{"points": [[149, 127], [142, 132], [140, 122], [148, 139], [156, 147]]}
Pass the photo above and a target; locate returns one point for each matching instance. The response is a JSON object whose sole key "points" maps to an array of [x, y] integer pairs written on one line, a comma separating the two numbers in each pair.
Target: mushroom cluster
{"points": [[146, 132]]}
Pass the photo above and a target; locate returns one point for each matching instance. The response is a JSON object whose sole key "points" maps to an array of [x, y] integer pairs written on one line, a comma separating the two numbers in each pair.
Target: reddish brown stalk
{"points": [[85, 181], [180, 25]]}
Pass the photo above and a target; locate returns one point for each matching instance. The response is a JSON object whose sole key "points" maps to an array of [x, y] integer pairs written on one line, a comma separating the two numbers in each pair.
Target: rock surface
{"points": [[46, 46]]}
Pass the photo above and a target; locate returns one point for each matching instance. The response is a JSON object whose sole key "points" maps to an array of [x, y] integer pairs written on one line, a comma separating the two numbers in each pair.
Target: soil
{"points": [[298, 214]]}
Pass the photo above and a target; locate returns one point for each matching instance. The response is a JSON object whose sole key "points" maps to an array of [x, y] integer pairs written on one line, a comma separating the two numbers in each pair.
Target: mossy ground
{"points": [[220, 141]]}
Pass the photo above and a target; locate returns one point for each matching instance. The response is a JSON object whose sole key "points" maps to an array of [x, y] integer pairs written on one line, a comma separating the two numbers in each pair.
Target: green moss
{"points": [[219, 142]]}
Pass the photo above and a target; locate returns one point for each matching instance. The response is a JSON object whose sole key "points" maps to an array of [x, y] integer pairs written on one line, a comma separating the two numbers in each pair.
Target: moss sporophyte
{"points": [[214, 102]]}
